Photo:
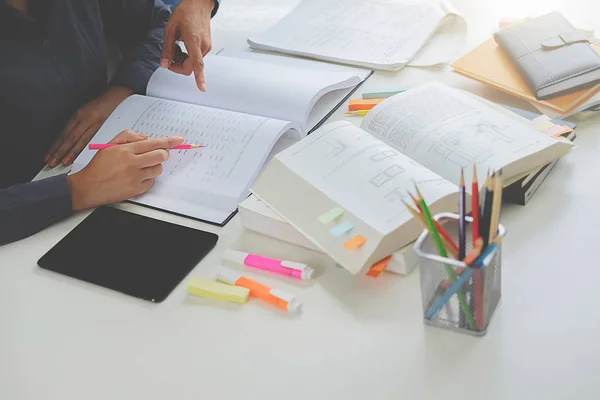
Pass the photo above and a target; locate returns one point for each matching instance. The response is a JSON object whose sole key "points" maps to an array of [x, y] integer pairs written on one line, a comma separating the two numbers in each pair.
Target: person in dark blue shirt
{"points": [[55, 93]]}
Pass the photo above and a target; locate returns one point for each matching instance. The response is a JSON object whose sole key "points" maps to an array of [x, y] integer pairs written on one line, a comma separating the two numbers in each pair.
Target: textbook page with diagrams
{"points": [[254, 107], [342, 187]]}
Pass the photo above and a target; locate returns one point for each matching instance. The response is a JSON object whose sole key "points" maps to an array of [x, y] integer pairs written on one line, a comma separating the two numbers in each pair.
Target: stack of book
{"points": [[342, 188], [256, 216], [563, 89]]}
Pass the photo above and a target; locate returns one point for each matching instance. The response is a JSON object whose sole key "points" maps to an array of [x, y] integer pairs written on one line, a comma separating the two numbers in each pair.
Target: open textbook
{"points": [[253, 108], [425, 135], [378, 34]]}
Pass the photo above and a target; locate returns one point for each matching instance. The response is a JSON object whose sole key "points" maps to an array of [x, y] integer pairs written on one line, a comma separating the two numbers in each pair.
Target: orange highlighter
{"points": [[278, 298]]}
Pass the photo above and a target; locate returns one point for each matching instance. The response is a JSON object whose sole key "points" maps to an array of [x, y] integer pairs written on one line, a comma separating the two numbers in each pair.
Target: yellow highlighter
{"points": [[218, 291]]}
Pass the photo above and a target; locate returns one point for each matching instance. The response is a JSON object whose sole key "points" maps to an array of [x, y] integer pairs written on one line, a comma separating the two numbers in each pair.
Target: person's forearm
{"points": [[30, 207], [139, 34]]}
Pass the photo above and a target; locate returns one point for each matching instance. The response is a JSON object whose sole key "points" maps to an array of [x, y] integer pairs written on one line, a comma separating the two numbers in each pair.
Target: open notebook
{"points": [[379, 34], [253, 108], [342, 186]]}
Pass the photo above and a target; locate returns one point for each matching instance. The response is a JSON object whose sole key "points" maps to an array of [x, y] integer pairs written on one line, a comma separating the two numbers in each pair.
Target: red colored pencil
{"points": [[103, 146], [475, 206], [475, 234]]}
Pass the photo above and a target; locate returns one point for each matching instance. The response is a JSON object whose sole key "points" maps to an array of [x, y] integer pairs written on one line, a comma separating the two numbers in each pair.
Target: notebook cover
{"points": [[551, 55], [488, 64]]}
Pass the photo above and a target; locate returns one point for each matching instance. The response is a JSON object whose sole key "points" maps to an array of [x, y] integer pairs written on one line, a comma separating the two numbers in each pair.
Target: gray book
{"points": [[552, 56]]}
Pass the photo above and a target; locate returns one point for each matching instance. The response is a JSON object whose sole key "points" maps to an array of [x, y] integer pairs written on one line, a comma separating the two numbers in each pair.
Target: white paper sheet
{"points": [[250, 86], [374, 33]]}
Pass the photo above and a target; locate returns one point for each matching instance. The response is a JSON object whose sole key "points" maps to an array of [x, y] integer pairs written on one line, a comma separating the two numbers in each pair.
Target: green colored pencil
{"points": [[440, 247]]}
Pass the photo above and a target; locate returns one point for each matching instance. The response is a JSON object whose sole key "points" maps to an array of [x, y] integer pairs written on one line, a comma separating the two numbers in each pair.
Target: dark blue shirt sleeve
{"points": [[30, 207], [137, 26]]}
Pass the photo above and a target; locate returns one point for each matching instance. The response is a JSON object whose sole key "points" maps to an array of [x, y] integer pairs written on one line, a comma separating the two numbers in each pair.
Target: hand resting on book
{"points": [[120, 172]]}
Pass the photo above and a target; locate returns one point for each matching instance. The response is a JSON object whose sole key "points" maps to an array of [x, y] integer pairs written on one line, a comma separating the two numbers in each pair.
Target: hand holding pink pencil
{"points": [[102, 146]]}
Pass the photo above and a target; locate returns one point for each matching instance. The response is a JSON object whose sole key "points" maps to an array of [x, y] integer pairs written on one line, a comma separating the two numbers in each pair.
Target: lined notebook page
{"points": [[216, 176], [363, 32]]}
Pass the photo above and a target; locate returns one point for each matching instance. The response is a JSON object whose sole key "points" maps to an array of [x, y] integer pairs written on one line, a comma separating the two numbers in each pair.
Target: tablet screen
{"points": [[129, 253]]}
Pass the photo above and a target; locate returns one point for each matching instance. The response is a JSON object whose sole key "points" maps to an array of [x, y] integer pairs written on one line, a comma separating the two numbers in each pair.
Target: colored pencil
{"points": [[442, 251], [462, 240], [456, 285], [469, 260], [477, 284], [102, 146], [496, 205], [484, 220], [475, 206], [421, 220], [441, 230]]}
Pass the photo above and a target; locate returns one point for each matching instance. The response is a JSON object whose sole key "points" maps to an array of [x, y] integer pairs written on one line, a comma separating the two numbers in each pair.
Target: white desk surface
{"points": [[358, 338]]}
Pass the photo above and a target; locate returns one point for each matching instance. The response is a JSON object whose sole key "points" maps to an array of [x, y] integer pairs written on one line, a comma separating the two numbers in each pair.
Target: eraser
{"points": [[341, 229], [218, 291], [331, 215]]}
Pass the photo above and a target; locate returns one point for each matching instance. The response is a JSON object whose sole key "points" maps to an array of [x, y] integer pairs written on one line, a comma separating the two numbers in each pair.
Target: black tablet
{"points": [[129, 253]]}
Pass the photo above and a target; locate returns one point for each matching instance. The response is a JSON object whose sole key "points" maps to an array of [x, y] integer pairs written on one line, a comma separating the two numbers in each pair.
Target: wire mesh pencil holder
{"points": [[456, 296]]}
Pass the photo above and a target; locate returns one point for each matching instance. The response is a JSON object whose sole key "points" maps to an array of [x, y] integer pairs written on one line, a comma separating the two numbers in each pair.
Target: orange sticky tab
{"points": [[355, 105], [378, 267], [355, 242]]}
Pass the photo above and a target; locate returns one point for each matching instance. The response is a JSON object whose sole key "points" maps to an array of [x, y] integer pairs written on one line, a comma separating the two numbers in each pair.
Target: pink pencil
{"points": [[107, 145]]}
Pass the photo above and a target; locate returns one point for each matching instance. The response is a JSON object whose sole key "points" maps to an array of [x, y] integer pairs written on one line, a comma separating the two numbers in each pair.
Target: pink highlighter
{"points": [[281, 267]]}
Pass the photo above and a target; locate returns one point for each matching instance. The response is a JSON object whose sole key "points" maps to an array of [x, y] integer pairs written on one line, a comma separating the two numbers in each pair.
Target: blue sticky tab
{"points": [[341, 229]]}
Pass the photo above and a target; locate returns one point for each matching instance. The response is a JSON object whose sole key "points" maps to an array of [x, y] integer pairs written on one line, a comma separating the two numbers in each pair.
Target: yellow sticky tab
{"points": [[216, 290], [331, 215], [355, 242]]}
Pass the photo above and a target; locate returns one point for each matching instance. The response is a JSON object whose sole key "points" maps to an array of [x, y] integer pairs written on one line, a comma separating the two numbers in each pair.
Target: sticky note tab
{"points": [[354, 243], [378, 267], [219, 291], [557, 130], [539, 120], [355, 105], [544, 126], [331, 215], [341, 229], [382, 94]]}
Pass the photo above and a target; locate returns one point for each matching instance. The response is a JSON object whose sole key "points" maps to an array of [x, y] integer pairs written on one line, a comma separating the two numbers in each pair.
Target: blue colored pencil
{"points": [[455, 287]]}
